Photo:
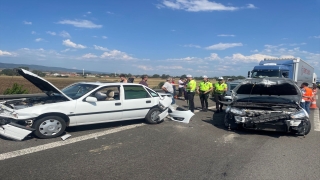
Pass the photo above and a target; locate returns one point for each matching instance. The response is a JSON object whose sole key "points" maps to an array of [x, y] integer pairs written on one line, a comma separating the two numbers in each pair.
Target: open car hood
{"points": [[274, 88], [41, 83]]}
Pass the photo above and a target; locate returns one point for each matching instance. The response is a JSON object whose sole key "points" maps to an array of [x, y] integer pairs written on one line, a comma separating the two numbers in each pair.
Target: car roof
{"points": [[108, 84]]}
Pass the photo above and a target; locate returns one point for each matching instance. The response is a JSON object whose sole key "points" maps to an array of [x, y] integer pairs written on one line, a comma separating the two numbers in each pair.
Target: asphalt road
{"points": [[202, 149]]}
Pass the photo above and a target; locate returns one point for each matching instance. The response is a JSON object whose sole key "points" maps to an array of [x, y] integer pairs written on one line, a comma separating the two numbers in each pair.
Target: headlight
{"points": [[237, 111], [300, 114], [228, 108]]}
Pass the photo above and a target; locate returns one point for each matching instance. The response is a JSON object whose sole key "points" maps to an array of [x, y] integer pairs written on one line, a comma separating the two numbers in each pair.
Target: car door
{"points": [[106, 109], [137, 102]]}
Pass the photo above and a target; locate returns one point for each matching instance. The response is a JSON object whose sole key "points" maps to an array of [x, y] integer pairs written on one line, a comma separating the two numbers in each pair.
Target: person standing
{"points": [[220, 88], [181, 87], [123, 78], [191, 88], [306, 97], [168, 88], [144, 80], [204, 89], [174, 88]]}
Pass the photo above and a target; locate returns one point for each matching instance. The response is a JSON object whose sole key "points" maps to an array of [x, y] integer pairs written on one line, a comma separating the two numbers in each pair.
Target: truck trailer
{"points": [[292, 68]]}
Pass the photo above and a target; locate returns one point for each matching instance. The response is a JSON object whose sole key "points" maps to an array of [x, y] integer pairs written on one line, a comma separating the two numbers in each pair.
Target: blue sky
{"points": [[198, 37]]}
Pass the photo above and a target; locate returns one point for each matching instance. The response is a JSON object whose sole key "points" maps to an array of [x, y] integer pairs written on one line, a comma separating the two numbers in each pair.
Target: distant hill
{"points": [[46, 68]]}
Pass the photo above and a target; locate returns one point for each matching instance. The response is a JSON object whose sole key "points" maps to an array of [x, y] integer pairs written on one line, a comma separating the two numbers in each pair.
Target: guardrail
{"points": [[18, 96]]}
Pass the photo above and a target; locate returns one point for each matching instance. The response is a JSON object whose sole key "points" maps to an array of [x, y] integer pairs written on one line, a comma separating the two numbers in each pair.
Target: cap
{"points": [[220, 78], [189, 76], [204, 76]]}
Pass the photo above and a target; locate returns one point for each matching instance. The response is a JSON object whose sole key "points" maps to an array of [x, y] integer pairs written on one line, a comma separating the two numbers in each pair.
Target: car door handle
{"points": [[117, 104], [148, 101]]}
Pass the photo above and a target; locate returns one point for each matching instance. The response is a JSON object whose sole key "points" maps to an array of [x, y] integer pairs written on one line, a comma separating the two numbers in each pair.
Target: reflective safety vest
{"points": [[219, 88], [191, 86], [308, 93], [205, 86]]}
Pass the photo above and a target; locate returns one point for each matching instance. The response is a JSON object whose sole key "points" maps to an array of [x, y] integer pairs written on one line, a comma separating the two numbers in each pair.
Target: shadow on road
{"points": [[217, 120]]}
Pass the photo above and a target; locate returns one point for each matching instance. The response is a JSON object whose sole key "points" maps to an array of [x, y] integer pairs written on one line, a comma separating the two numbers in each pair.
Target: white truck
{"points": [[292, 68]]}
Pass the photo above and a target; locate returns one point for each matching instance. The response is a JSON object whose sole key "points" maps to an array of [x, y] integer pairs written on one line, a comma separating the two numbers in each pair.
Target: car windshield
{"points": [[265, 73], [232, 86], [75, 91]]}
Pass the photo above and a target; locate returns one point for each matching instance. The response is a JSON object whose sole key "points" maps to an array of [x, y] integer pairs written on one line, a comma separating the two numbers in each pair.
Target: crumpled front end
{"points": [[288, 119]]}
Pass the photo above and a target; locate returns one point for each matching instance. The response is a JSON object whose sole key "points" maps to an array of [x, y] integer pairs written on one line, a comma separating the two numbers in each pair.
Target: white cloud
{"points": [[251, 6], [39, 40], [116, 54], [104, 37], [248, 59], [223, 46], [184, 59], [88, 12], [66, 50], [89, 56], [108, 12], [5, 53], [213, 56], [173, 30], [100, 48], [64, 34], [81, 23], [195, 5], [226, 35], [169, 67], [146, 68], [72, 44], [316, 37], [33, 32], [51, 33], [255, 51], [192, 45], [27, 23]]}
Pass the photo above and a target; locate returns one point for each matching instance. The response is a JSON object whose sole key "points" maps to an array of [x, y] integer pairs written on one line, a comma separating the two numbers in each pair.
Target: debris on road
{"points": [[66, 136]]}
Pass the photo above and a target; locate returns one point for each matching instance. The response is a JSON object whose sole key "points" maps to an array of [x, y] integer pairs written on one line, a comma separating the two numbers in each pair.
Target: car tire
{"points": [[307, 129], [152, 116], [49, 127], [230, 123]]}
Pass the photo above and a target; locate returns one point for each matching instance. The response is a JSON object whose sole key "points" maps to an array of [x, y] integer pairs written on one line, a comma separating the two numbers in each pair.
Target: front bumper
{"points": [[15, 131]]}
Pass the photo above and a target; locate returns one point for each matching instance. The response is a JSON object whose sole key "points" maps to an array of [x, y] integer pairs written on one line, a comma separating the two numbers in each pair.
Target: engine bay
{"points": [[17, 104]]}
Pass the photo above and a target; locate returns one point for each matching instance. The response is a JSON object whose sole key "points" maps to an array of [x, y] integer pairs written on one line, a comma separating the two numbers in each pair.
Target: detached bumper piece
{"points": [[15, 131], [181, 116]]}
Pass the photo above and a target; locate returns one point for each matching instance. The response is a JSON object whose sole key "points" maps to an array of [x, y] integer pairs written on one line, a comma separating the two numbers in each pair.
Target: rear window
{"points": [[259, 89]]}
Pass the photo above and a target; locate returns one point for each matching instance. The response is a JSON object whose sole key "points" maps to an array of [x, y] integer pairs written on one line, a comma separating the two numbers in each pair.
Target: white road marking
{"points": [[316, 120], [30, 150]]}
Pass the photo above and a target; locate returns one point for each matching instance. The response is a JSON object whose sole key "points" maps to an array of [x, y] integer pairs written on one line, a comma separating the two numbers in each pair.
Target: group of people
{"points": [[188, 88]]}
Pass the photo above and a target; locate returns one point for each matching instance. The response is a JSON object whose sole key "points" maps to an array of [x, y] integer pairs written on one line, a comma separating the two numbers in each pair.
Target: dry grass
{"points": [[8, 81]]}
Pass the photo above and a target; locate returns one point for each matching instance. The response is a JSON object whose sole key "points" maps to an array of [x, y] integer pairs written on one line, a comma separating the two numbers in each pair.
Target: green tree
{"points": [[156, 76], [8, 72], [160, 85], [16, 89]]}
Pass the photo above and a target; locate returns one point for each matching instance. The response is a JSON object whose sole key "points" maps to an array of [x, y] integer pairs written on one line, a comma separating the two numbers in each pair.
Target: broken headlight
{"points": [[237, 111], [299, 115]]}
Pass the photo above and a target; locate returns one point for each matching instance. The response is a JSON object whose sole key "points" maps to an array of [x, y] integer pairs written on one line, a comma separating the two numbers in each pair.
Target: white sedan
{"points": [[80, 104]]}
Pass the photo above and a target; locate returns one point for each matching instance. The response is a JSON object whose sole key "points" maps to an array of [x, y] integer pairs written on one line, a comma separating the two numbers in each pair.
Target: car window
{"points": [[109, 93], [135, 92], [153, 93], [75, 91]]}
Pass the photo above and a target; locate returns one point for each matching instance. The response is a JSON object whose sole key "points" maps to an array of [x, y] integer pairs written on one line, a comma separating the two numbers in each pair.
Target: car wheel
{"points": [[152, 116], [229, 122], [307, 130], [49, 127]]}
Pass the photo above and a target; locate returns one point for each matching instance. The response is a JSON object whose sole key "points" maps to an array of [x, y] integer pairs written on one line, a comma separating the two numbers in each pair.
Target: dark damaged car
{"points": [[270, 104]]}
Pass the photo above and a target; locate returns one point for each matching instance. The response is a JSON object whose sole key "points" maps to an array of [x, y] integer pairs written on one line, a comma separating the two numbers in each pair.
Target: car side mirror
{"points": [[91, 99], [249, 72]]}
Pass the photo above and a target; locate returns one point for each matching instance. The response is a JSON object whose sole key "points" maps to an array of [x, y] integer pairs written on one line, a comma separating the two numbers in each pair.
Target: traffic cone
{"points": [[313, 104]]}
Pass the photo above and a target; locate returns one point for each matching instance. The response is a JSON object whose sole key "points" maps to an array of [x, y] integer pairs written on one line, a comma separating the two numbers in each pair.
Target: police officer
{"points": [[220, 88], [204, 89], [191, 88]]}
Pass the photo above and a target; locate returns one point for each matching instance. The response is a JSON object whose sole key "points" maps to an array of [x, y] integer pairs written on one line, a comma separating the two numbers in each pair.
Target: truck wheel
{"points": [[49, 127], [152, 116]]}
